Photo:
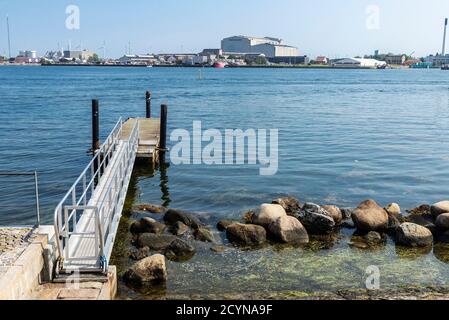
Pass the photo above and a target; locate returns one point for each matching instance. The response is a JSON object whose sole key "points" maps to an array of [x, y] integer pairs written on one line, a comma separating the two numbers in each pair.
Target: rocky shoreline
{"points": [[284, 221]]}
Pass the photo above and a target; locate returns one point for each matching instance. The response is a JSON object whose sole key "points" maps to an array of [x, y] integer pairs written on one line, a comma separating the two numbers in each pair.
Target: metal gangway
{"points": [[87, 218]]}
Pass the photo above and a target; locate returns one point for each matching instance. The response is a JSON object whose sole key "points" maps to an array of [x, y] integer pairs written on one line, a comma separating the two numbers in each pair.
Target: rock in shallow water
{"points": [[393, 208], [443, 221], [369, 216], [291, 205], [147, 225], [173, 216], [335, 213], [155, 242], [316, 220], [439, 208], [179, 229], [224, 224], [267, 214], [426, 221], [179, 250], [413, 235], [289, 230], [246, 234], [139, 254], [151, 270], [203, 234], [149, 208]]}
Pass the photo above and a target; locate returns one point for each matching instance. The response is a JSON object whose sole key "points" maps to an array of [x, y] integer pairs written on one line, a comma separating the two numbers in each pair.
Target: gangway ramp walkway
{"points": [[87, 218]]}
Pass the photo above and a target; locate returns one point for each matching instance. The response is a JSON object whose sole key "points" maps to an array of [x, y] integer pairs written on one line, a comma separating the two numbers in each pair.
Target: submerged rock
{"points": [[139, 254], [246, 234], [267, 214], [155, 242], [335, 213], [373, 236], [291, 205], [150, 208], [369, 216], [413, 235], [248, 217], [151, 270], [218, 249], [224, 224], [316, 220], [173, 216], [393, 208], [443, 221], [439, 208], [289, 230], [147, 225], [203, 234], [179, 250]]}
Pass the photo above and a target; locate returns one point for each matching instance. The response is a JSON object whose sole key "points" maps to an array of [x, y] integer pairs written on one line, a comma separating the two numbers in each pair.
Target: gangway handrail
{"points": [[108, 150]]}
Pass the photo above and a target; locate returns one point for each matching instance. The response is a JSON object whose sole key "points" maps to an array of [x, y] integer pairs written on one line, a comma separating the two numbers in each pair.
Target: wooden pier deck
{"points": [[149, 135]]}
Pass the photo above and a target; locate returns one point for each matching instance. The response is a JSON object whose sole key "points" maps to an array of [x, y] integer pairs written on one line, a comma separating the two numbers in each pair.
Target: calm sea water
{"points": [[345, 136]]}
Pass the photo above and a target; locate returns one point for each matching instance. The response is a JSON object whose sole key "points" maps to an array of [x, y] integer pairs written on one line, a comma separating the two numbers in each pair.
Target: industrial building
{"points": [[270, 47], [83, 55], [359, 62], [27, 56], [135, 59], [395, 59]]}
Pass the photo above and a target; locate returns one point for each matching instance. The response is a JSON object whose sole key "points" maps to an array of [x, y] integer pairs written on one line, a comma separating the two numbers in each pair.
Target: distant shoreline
{"points": [[201, 67]]}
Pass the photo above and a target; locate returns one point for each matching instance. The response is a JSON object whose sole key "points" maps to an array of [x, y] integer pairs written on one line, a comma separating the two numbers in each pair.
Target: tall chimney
{"points": [[444, 39]]}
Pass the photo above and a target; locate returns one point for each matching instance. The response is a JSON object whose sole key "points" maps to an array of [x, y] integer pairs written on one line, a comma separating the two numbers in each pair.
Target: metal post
{"points": [[163, 133], [95, 126], [148, 104], [36, 182]]}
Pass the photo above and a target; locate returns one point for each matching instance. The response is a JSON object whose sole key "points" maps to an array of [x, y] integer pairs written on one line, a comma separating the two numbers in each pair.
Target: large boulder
{"points": [[149, 208], [393, 208], [291, 205], [147, 225], [444, 238], [413, 235], [224, 224], [425, 220], [439, 208], [150, 270], [289, 230], [369, 216], [203, 234], [267, 214], [179, 229], [179, 250], [155, 242], [316, 220], [443, 221], [246, 234], [335, 213], [420, 210], [173, 216]]}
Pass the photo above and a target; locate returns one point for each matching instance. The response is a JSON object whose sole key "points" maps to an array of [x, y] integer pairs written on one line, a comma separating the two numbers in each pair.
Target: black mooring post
{"points": [[95, 126], [148, 103], [163, 133]]}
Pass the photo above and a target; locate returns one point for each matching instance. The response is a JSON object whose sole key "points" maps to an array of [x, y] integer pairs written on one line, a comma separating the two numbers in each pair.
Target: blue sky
{"points": [[330, 27]]}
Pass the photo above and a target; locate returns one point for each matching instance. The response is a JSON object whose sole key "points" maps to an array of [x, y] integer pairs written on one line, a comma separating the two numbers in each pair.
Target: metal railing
{"points": [[96, 200], [36, 189]]}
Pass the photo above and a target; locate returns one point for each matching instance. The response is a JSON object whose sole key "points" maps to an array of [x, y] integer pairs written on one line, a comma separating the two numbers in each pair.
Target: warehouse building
{"points": [[270, 47]]}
